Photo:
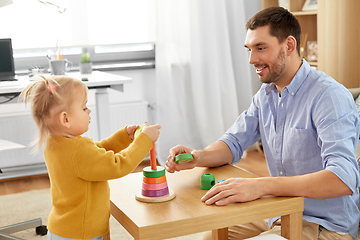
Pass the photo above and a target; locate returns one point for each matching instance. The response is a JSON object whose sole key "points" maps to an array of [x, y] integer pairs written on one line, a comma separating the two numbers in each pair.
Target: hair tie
{"points": [[52, 86]]}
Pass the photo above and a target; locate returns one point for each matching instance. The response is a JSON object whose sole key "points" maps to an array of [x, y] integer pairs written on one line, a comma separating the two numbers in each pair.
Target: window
{"points": [[32, 24], [111, 30], [124, 21]]}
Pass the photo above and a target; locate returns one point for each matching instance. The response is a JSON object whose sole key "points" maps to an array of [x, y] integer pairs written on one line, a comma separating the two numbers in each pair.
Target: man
{"points": [[309, 128]]}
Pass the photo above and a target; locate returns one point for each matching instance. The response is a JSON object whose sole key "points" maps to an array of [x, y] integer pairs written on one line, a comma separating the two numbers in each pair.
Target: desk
{"points": [[96, 80], [187, 214]]}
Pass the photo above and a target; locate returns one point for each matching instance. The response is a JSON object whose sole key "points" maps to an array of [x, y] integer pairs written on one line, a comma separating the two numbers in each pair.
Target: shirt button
{"points": [[281, 172], [282, 105], [292, 93]]}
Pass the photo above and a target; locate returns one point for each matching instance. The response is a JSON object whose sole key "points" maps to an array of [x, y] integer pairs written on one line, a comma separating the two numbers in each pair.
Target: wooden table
{"points": [[187, 214]]}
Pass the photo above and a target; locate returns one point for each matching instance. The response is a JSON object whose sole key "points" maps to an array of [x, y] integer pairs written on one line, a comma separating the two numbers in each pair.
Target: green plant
{"points": [[85, 58]]}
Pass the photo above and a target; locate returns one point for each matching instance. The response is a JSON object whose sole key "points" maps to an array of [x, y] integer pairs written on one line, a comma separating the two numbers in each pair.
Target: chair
{"points": [[35, 223]]}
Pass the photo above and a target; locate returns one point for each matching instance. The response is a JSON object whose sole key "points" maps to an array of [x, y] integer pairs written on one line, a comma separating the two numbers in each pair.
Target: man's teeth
{"points": [[259, 70]]}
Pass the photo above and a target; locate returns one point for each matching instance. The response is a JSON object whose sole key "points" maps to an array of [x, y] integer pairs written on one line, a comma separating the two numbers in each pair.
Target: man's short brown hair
{"points": [[282, 24]]}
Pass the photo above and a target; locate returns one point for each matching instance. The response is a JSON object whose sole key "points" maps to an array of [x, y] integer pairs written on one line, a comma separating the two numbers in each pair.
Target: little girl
{"points": [[79, 168]]}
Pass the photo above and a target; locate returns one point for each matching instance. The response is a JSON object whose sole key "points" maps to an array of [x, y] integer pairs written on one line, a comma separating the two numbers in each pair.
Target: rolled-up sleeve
{"points": [[337, 123]]}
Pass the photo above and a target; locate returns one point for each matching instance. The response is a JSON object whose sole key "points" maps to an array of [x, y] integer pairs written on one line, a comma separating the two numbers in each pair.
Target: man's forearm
{"points": [[319, 185], [214, 155]]}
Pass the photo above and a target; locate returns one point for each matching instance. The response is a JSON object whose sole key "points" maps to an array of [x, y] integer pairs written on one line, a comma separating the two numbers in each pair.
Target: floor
{"points": [[253, 162]]}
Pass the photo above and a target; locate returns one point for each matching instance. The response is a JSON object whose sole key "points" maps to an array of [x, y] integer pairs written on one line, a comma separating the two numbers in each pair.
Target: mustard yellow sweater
{"points": [[79, 169]]}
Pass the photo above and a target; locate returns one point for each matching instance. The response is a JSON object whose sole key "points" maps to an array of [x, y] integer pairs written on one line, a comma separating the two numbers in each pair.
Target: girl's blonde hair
{"points": [[49, 96]]}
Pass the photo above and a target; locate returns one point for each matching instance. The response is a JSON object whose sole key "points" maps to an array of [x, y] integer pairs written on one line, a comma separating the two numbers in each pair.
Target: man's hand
{"points": [[234, 190], [170, 164]]}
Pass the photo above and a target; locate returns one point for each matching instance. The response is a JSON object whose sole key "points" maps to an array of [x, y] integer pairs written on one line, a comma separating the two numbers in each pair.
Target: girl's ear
{"points": [[64, 119]]}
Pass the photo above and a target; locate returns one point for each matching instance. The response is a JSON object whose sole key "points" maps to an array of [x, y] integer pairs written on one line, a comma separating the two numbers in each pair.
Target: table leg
{"points": [[106, 236], [102, 113], [291, 226], [220, 234]]}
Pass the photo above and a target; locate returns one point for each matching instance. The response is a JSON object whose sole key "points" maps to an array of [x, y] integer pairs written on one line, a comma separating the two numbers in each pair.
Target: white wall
{"points": [[142, 88]]}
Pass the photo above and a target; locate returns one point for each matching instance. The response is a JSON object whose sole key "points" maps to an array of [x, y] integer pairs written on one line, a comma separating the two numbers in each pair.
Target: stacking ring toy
{"points": [[156, 193], [158, 186], [183, 158], [154, 186], [152, 173], [154, 180]]}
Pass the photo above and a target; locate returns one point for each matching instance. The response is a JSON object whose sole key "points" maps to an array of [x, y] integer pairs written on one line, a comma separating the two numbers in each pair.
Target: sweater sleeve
{"points": [[116, 142], [91, 162]]}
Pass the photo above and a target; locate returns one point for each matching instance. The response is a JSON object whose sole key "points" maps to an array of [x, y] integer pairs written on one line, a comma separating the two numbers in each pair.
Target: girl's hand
{"points": [[131, 130], [152, 131]]}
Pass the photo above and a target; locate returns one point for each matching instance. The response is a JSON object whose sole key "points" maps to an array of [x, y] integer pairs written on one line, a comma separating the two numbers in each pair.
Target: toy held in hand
{"points": [[138, 130], [183, 158]]}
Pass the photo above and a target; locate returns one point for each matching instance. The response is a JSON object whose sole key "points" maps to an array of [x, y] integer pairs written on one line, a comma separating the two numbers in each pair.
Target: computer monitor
{"points": [[7, 68]]}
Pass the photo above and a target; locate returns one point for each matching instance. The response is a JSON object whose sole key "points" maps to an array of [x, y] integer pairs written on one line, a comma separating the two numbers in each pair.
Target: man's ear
{"points": [[290, 44], [64, 119]]}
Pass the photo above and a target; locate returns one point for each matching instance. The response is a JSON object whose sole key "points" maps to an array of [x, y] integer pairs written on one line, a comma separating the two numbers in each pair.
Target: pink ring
{"points": [[157, 186]]}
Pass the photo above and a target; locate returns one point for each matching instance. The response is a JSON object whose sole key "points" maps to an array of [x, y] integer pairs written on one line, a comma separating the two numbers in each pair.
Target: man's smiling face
{"points": [[267, 55]]}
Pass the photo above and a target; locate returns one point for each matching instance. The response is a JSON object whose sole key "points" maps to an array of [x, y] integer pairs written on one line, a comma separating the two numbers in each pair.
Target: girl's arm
{"points": [[116, 142]]}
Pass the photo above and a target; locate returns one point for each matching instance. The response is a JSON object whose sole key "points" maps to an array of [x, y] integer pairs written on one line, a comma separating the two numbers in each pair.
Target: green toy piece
{"points": [[138, 130], [207, 181], [152, 173], [183, 158]]}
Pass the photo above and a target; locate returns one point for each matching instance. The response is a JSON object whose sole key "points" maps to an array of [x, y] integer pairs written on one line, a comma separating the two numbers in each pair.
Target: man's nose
{"points": [[253, 58]]}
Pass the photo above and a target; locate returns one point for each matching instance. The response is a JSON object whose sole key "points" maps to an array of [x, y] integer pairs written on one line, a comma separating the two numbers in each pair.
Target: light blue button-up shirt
{"points": [[314, 126]]}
